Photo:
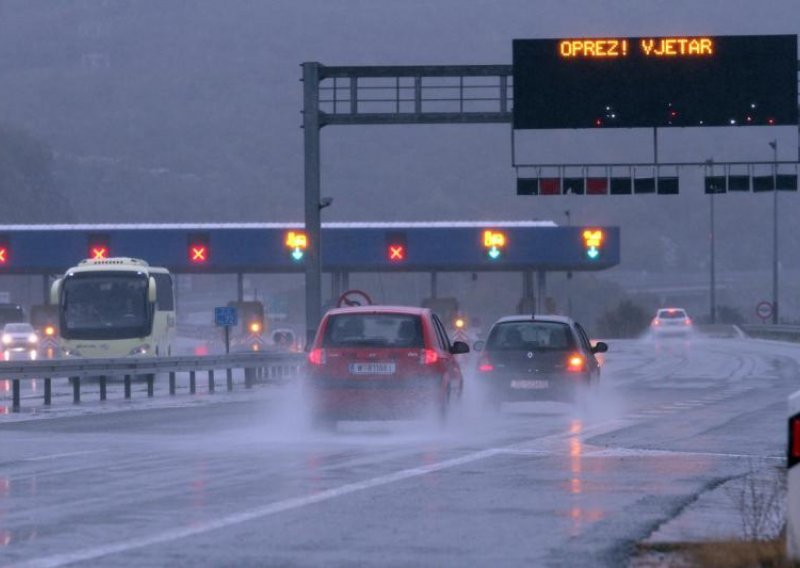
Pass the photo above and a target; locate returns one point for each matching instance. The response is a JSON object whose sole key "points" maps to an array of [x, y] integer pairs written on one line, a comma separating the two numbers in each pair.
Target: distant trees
{"points": [[27, 192], [625, 320]]}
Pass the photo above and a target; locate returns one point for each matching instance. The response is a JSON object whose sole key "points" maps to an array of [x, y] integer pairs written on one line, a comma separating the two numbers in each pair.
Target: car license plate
{"points": [[530, 384], [372, 368]]}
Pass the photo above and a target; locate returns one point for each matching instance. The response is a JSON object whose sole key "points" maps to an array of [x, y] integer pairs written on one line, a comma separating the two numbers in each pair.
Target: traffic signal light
{"points": [[592, 242], [99, 247], [198, 250], [5, 251], [494, 242], [297, 241], [396, 248]]}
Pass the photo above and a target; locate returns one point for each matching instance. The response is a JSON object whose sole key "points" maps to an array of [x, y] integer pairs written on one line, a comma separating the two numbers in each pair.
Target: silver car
{"points": [[671, 321], [20, 341]]}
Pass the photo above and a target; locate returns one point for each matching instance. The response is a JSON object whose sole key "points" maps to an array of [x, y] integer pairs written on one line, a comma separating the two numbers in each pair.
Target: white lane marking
{"points": [[624, 452], [58, 560], [63, 455]]}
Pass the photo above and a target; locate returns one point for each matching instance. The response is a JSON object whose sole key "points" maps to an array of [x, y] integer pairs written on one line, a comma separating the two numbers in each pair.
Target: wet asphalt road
{"points": [[238, 482]]}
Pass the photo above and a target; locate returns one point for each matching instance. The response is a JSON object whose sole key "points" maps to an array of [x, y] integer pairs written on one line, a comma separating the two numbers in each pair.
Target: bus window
{"points": [[165, 300]]}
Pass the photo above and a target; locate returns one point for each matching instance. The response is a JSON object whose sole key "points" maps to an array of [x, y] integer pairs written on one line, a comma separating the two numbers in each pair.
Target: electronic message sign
{"points": [[655, 82]]}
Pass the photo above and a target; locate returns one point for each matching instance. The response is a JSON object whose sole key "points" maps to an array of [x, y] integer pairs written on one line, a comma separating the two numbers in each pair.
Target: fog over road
{"points": [[245, 482]]}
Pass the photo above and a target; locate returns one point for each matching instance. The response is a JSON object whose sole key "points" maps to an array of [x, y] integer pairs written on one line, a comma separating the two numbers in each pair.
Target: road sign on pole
{"points": [[764, 311], [226, 317]]}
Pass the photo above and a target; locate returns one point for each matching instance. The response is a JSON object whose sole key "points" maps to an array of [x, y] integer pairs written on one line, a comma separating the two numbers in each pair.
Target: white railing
{"points": [[265, 366]]}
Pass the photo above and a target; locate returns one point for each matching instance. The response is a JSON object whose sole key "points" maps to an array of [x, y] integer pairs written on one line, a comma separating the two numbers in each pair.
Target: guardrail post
{"points": [[102, 387], [15, 395], [151, 379], [229, 378], [48, 391], [192, 383], [127, 387], [172, 382], [211, 385], [76, 390]]}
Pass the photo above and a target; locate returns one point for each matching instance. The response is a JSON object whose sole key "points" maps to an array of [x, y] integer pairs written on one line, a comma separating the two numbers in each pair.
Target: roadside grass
{"points": [[741, 554], [716, 554], [759, 497]]}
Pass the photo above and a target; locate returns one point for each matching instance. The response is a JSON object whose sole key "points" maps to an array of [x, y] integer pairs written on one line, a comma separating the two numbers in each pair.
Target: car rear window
{"points": [[530, 336], [373, 330], [18, 328], [671, 314]]}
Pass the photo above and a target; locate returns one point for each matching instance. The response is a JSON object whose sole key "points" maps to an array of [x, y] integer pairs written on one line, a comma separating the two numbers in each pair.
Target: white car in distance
{"points": [[671, 321], [20, 341]]}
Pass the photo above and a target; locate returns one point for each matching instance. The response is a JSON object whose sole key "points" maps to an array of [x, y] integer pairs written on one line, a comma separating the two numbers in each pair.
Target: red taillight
{"points": [[428, 357], [575, 363], [316, 356], [484, 365], [687, 321], [794, 440], [656, 322]]}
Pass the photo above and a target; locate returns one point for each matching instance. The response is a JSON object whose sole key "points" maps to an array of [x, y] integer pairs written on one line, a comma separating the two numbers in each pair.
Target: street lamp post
{"points": [[712, 244], [713, 267], [774, 146], [568, 215]]}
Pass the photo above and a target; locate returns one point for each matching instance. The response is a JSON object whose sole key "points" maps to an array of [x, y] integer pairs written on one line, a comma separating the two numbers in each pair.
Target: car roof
{"points": [[18, 323], [671, 310], [535, 317], [379, 309]]}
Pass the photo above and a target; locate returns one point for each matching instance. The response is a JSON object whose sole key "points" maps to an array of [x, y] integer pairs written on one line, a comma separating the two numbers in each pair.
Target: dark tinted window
{"points": [[671, 314], [584, 338], [18, 328], [530, 336], [165, 300], [373, 330], [444, 341]]}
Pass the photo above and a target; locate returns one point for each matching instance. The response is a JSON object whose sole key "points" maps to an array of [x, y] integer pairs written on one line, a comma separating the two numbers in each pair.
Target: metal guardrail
{"points": [[269, 366], [777, 332]]}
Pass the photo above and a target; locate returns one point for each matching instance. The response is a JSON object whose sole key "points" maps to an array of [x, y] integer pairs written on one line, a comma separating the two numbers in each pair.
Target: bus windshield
{"points": [[105, 306]]}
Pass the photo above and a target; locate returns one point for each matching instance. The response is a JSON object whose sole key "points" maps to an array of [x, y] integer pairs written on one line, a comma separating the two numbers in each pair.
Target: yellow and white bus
{"points": [[115, 307]]}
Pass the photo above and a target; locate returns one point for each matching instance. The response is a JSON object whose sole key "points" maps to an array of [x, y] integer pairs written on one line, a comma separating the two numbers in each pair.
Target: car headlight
{"points": [[32, 338], [140, 350], [6, 339]]}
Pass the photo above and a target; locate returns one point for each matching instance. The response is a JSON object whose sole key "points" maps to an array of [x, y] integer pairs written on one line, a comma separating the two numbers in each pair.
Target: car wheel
{"points": [[444, 407], [494, 404], [585, 394], [323, 423]]}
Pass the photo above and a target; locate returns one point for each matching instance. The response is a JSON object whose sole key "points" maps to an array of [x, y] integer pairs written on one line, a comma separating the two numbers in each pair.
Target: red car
{"points": [[381, 362]]}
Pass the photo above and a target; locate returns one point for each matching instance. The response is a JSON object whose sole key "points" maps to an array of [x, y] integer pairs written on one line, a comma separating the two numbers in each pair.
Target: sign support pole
{"points": [[311, 140]]}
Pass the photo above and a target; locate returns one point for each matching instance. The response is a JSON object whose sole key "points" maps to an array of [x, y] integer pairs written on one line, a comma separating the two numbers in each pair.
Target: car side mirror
{"points": [[459, 348], [600, 347], [55, 292], [479, 345], [152, 294]]}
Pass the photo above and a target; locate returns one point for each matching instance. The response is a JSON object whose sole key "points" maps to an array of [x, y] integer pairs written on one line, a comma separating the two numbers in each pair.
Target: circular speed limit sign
{"points": [[764, 310]]}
